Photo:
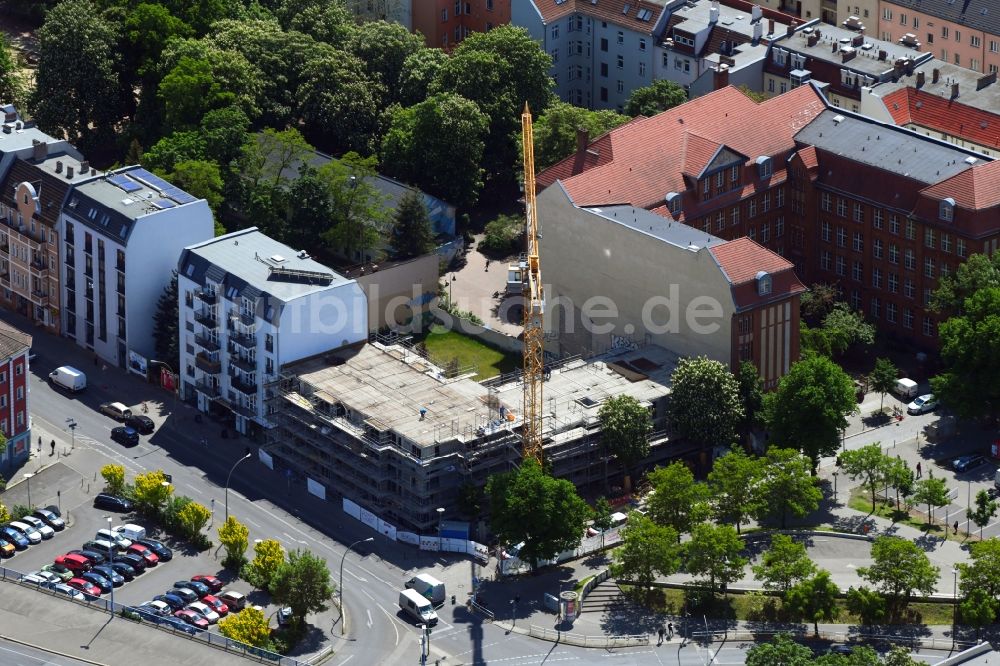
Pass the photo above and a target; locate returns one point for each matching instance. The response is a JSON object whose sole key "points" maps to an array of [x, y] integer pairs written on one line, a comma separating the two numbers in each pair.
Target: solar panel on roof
{"points": [[150, 179], [124, 182], [179, 195], [164, 203]]}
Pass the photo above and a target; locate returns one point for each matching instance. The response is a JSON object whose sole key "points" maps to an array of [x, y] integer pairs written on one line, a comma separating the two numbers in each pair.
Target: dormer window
{"points": [[763, 283], [674, 202], [764, 167], [946, 209]]}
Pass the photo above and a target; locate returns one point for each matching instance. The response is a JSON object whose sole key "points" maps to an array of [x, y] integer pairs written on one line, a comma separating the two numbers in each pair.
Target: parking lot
{"points": [[84, 521]]}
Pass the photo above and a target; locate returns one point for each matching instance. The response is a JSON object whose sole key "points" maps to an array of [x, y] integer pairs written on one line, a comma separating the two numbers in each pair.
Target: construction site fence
{"points": [[580, 640], [513, 565]]}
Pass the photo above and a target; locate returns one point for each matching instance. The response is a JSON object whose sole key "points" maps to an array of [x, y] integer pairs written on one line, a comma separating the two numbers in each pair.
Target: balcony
{"points": [[242, 385], [211, 390], [206, 343], [39, 269], [206, 318], [5, 247], [247, 341], [206, 364], [40, 297], [248, 318], [209, 297], [249, 365]]}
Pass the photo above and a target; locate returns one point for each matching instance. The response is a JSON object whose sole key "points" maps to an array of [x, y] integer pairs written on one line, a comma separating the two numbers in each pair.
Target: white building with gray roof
{"points": [[248, 306], [122, 233]]}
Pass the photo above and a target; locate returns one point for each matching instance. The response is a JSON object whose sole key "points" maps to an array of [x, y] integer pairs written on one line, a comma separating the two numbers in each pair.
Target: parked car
{"points": [[158, 607], [94, 558], [216, 604], [116, 410], [179, 625], [135, 561], [27, 530], [143, 552], [39, 526], [198, 588], [102, 583], [108, 572], [7, 549], [112, 503], [204, 611], [236, 601], [141, 424], [74, 562], [105, 548], [162, 552], [213, 583], [923, 404], [50, 518], [170, 599], [123, 570], [88, 588], [120, 542], [968, 461], [192, 618], [187, 594], [284, 615], [125, 436], [59, 570], [12, 536], [42, 578], [71, 592]]}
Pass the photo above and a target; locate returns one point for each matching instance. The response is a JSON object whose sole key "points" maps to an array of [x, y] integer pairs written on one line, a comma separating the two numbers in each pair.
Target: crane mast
{"points": [[534, 305]]}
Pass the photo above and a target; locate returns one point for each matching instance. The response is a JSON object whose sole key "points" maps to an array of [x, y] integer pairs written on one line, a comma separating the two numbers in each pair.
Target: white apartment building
{"points": [[122, 233], [249, 305]]}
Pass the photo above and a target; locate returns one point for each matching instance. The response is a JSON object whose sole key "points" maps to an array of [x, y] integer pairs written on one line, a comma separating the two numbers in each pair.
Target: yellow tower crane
{"points": [[534, 306]]}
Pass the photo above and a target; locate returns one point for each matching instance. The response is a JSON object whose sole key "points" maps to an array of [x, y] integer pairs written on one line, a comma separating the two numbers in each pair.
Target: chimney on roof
{"points": [[69, 172], [582, 140], [920, 79], [758, 30], [812, 39], [770, 26], [882, 55], [954, 90], [720, 77], [935, 75], [84, 166], [41, 149], [59, 166], [713, 13], [790, 28], [985, 81], [756, 13]]}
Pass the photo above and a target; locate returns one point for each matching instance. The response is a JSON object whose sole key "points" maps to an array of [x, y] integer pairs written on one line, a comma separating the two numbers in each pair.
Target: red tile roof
{"points": [[973, 189], [741, 259], [913, 106], [697, 152], [809, 158], [642, 161], [604, 10]]}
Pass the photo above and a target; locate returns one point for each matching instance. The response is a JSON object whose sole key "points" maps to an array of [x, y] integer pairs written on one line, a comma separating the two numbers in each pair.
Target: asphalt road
{"points": [[15, 654]]}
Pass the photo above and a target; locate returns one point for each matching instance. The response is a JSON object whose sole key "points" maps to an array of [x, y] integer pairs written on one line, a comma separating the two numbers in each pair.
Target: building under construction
{"points": [[384, 427]]}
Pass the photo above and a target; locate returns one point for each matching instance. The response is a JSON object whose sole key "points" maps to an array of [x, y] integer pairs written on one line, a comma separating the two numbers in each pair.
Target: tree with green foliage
{"points": [[165, 331], [751, 394], [678, 501], [502, 236], [647, 551], [787, 485], [361, 223], [340, 104], [192, 519], [419, 71], [900, 568], [784, 564], [900, 478], [899, 656], [705, 404], [655, 98], [264, 165], [978, 609], [883, 379], [438, 145], [412, 232], [780, 651], [199, 178], [5, 516], [813, 598], [933, 493], [250, 626], [555, 131], [527, 505], [714, 551], [844, 326], [302, 582], [269, 555], [383, 48], [223, 132], [114, 478], [870, 465], [985, 509], [978, 272], [12, 84], [970, 351], [173, 149], [602, 516], [810, 407], [734, 485], [190, 90], [151, 492], [982, 571], [818, 302], [234, 537], [328, 22], [77, 90], [868, 604], [147, 29], [625, 427]]}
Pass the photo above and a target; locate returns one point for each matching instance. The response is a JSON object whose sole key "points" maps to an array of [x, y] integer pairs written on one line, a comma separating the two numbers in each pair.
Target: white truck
{"points": [[907, 388], [68, 378], [429, 587], [418, 607]]}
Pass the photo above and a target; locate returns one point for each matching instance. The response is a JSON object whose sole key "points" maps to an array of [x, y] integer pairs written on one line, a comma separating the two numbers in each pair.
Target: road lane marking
{"points": [[368, 595], [346, 660], [391, 618], [368, 611], [291, 538], [194, 489], [356, 576], [247, 520]]}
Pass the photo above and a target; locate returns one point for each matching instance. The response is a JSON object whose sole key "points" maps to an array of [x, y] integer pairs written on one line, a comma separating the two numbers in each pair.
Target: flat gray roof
{"points": [[675, 233], [986, 99], [696, 17], [887, 147], [866, 61]]}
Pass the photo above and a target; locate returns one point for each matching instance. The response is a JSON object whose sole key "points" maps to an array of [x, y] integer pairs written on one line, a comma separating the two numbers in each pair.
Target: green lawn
{"points": [[861, 500], [443, 345]]}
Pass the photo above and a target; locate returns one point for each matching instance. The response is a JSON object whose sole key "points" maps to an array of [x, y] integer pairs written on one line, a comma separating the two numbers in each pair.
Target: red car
{"points": [[78, 564], [214, 584], [143, 552], [216, 604], [85, 587], [192, 618]]}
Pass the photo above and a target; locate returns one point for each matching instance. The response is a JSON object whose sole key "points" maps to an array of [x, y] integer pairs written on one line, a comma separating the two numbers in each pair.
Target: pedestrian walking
{"points": [[660, 634], [670, 631], [919, 471], [53, 445], [956, 527]]}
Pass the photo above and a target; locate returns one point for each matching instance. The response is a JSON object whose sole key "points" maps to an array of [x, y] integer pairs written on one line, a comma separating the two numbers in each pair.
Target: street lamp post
{"points": [[343, 615], [954, 601], [968, 506], [835, 475], [111, 557], [71, 424], [27, 477], [440, 512], [246, 457]]}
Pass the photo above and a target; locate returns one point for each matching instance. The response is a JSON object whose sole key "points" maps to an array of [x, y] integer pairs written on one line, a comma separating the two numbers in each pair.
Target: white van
{"points": [[117, 538], [131, 532], [69, 378], [418, 607], [906, 388], [429, 587]]}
